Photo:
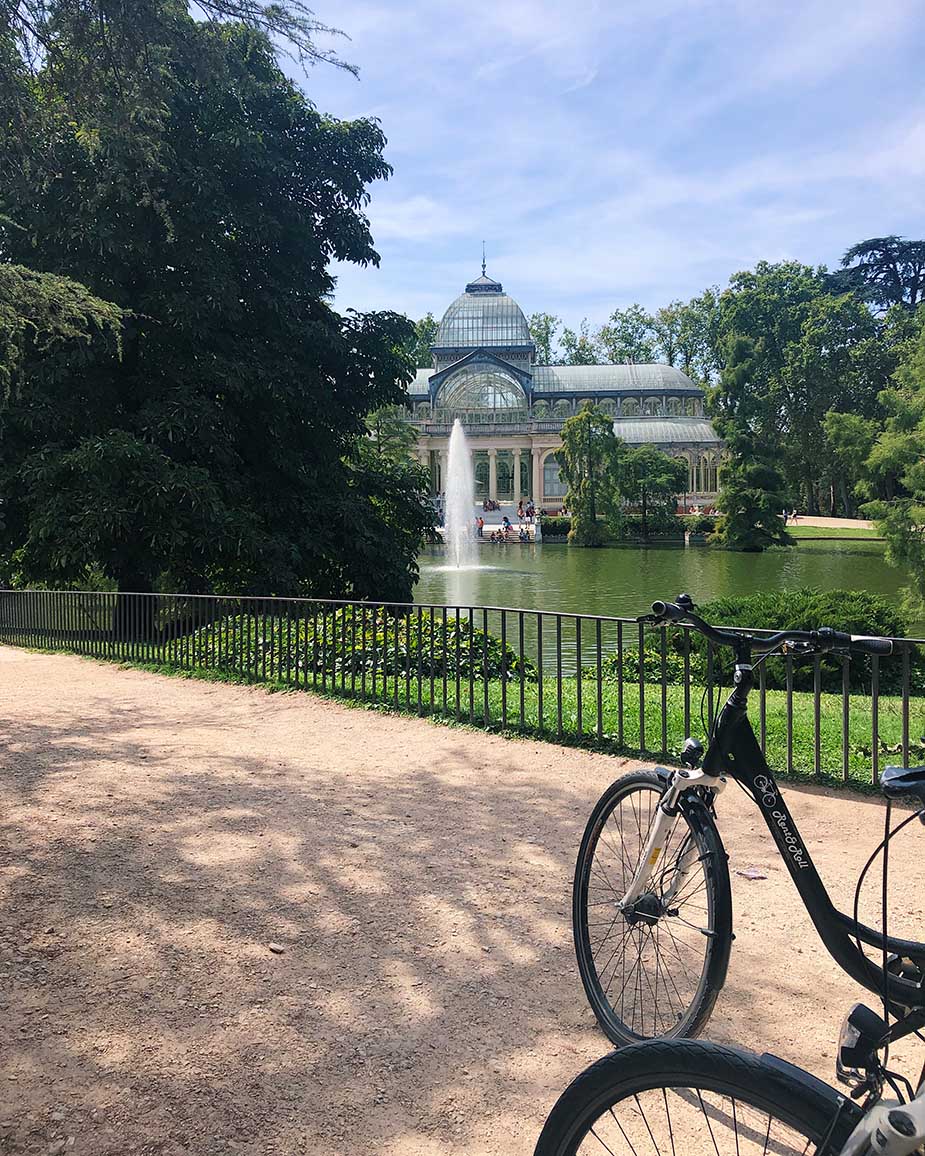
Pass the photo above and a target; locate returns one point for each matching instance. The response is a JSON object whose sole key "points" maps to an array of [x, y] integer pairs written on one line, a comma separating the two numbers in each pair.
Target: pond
{"points": [[624, 580]]}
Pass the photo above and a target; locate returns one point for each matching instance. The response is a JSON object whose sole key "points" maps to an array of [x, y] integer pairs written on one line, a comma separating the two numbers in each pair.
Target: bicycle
{"points": [[652, 903], [679, 1095]]}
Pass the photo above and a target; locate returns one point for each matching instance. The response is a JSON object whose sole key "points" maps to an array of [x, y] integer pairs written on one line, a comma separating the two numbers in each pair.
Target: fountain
{"points": [[459, 511]]}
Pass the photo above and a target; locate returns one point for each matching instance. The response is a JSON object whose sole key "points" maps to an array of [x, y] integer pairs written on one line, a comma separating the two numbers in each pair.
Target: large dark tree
{"points": [[884, 271], [168, 165]]}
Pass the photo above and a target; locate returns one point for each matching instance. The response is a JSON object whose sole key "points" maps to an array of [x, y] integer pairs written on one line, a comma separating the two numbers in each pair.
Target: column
{"points": [[444, 469], [516, 476], [537, 477], [493, 474]]}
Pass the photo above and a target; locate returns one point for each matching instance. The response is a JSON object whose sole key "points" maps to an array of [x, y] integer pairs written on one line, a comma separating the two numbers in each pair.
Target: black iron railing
{"points": [[599, 681]]}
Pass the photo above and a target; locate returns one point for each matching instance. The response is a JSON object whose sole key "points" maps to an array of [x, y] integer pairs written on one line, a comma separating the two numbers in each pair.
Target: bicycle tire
{"points": [[762, 1084], [688, 1009]]}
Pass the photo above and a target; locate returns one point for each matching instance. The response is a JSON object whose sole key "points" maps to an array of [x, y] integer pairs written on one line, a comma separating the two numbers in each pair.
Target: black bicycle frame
{"points": [[735, 753]]}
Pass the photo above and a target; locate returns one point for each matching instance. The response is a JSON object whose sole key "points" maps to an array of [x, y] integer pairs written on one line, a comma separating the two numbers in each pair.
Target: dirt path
{"points": [[833, 523], [156, 835]]}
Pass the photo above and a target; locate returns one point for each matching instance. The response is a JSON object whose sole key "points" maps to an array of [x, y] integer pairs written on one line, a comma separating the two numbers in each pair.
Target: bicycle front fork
{"points": [[889, 1129], [666, 816]]}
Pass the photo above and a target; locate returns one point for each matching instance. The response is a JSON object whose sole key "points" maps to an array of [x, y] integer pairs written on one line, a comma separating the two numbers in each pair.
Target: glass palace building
{"points": [[484, 372]]}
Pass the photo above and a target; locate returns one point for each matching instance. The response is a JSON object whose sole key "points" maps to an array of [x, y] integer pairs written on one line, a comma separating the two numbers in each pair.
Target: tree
{"points": [[392, 434], [543, 330], [52, 328], [752, 490], [899, 453], [666, 331], [106, 26], [883, 271], [385, 518], [425, 336], [581, 348], [652, 479], [628, 335], [837, 361], [588, 462], [750, 502], [849, 439], [810, 351], [224, 451], [697, 336]]}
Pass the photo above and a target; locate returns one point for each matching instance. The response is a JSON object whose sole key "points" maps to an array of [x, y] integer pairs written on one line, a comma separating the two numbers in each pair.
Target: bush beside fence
{"points": [[571, 678]]}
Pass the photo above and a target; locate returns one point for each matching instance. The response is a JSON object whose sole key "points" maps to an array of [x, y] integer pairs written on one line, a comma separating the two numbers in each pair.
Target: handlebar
{"points": [[822, 640]]}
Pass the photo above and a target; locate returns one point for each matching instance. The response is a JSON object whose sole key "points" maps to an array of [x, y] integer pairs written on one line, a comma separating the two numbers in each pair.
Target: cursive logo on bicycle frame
{"points": [[767, 795]]}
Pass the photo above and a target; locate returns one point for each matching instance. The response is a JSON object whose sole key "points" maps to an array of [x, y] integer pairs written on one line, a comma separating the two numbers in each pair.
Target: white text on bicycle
{"points": [[769, 799]]}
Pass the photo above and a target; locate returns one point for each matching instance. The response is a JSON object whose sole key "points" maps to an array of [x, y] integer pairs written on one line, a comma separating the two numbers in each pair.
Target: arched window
{"points": [[553, 485], [481, 391], [651, 407], [608, 405], [704, 474], [562, 408], [541, 409], [673, 406], [630, 407]]}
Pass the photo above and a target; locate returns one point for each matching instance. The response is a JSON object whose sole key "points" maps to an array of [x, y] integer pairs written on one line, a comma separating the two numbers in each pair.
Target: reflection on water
{"points": [[623, 581]]}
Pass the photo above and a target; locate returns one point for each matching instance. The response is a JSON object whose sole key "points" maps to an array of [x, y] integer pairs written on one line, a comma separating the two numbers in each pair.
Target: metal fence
{"points": [[604, 682]]}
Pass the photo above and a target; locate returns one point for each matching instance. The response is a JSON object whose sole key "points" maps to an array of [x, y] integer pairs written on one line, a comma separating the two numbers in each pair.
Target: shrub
{"points": [[613, 669], [661, 523], [347, 641], [853, 611], [556, 527], [700, 523]]}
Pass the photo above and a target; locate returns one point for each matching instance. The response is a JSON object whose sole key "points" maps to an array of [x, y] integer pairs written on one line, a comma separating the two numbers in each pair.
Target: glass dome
{"points": [[483, 316]]}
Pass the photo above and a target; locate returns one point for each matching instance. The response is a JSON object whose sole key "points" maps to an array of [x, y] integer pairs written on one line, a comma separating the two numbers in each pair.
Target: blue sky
{"points": [[630, 150]]}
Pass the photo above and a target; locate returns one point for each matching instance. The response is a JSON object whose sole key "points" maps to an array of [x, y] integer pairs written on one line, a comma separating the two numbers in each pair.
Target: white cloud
{"points": [[612, 150]]}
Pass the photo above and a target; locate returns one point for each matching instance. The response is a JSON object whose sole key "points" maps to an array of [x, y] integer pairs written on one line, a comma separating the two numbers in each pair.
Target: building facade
{"points": [[484, 372]]}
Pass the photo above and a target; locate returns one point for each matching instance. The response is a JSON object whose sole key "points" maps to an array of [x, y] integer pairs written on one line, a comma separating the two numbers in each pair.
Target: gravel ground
{"points": [[240, 922]]}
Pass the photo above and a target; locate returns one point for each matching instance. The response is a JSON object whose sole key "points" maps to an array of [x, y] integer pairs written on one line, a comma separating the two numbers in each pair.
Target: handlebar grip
{"points": [[669, 611], [867, 644]]}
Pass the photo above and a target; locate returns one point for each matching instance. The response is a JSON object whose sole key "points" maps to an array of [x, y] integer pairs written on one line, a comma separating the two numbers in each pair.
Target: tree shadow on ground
{"points": [[424, 927], [425, 998]]}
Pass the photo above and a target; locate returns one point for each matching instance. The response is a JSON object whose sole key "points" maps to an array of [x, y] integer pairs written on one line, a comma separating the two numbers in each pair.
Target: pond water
{"points": [[623, 581]]}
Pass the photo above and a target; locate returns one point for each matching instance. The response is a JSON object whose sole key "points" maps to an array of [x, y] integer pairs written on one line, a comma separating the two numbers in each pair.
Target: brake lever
{"points": [[650, 620]]}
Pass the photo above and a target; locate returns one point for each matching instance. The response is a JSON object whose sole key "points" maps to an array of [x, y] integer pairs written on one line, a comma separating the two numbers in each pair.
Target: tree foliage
{"points": [[425, 335], [628, 336], [168, 165], [753, 494], [543, 329], [581, 347], [884, 271], [897, 463], [52, 327], [652, 480], [589, 464], [849, 439]]}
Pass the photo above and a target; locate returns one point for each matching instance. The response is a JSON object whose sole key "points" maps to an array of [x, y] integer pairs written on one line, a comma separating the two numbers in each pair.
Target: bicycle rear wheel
{"points": [[656, 969], [694, 1097]]}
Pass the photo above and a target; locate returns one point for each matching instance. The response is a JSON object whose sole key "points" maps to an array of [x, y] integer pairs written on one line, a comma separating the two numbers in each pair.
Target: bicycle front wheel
{"points": [[656, 968], [666, 1097]]}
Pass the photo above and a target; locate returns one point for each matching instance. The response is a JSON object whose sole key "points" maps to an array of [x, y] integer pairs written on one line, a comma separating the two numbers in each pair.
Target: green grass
{"points": [[799, 531], [497, 707]]}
